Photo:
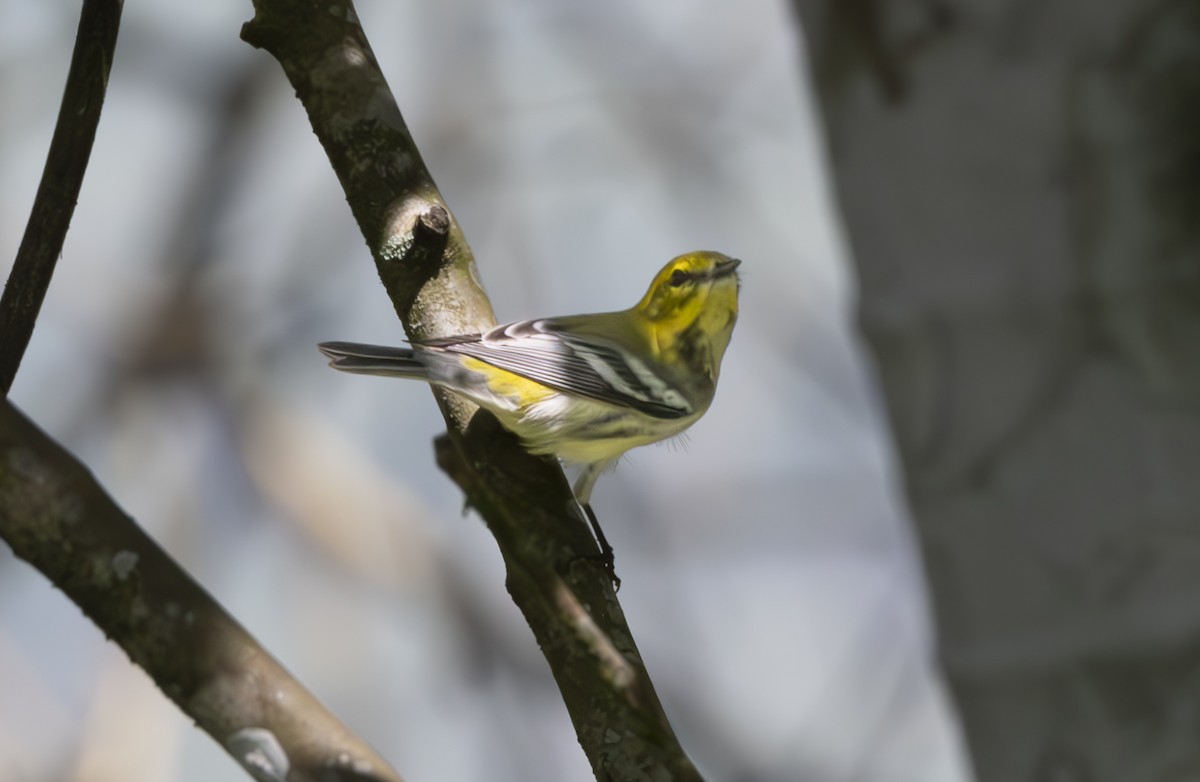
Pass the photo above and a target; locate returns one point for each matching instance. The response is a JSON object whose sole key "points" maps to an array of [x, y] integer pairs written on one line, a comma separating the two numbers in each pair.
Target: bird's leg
{"points": [[606, 551], [583, 493]]}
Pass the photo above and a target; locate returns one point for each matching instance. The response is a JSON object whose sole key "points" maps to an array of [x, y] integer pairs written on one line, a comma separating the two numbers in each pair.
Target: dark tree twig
{"points": [[70, 148], [428, 272], [56, 517]]}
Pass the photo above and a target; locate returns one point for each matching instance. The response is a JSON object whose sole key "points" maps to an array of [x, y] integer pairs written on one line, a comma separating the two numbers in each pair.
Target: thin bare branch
{"points": [[553, 572], [56, 517], [54, 204]]}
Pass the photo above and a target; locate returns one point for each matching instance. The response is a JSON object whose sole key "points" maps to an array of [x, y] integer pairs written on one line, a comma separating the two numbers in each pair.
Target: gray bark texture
{"points": [[1020, 187], [57, 518], [429, 273]]}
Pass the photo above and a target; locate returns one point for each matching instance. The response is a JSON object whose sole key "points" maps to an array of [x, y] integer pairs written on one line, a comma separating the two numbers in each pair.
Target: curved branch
{"points": [[553, 573], [54, 204], [56, 517]]}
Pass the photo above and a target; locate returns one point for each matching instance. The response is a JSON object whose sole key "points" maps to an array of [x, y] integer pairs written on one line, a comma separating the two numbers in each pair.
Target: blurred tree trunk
{"points": [[1020, 184]]}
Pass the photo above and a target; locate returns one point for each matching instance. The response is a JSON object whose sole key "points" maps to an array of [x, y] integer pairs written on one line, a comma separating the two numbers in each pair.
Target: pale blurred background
{"points": [[769, 572]]}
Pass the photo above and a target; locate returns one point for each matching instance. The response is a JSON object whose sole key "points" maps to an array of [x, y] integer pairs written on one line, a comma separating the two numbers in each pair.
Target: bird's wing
{"points": [[584, 364]]}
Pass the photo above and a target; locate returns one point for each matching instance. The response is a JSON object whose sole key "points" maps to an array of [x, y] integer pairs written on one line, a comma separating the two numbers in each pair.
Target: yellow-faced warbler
{"points": [[586, 388]]}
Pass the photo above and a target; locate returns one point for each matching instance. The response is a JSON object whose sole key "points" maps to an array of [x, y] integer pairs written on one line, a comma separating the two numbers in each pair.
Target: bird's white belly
{"points": [[583, 431]]}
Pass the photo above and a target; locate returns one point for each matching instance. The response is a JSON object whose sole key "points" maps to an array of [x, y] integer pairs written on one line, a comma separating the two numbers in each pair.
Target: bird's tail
{"points": [[373, 359]]}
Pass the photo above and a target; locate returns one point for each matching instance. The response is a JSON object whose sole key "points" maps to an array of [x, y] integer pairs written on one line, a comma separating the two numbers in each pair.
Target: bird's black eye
{"points": [[678, 277]]}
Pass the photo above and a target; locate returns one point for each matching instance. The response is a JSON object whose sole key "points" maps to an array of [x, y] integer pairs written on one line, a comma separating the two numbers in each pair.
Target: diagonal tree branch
{"points": [[428, 271], [56, 517], [70, 148]]}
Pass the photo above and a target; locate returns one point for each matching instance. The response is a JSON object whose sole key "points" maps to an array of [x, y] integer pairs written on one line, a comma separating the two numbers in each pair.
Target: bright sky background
{"points": [[769, 573]]}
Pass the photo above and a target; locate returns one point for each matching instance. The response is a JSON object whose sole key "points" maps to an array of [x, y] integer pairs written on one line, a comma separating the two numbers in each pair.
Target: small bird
{"points": [[586, 388]]}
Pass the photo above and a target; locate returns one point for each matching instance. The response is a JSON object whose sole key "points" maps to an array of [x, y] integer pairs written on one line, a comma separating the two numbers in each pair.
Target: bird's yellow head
{"points": [[692, 305]]}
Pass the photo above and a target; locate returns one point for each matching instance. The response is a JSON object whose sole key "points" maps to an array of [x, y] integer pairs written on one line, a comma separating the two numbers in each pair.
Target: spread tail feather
{"points": [[373, 359]]}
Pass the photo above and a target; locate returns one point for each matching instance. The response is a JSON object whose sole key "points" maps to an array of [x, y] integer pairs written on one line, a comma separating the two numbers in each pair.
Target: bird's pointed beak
{"points": [[726, 267]]}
